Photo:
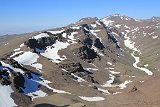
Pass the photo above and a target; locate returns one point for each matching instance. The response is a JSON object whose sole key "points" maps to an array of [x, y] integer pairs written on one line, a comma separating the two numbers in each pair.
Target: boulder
{"points": [[19, 81], [5, 81], [134, 89]]}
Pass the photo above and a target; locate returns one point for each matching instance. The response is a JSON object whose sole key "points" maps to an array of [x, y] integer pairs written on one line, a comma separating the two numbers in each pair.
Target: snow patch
{"points": [[21, 45], [104, 91], [52, 51], [118, 26], [5, 96], [128, 43], [107, 22], [109, 83], [55, 32], [37, 94], [79, 79], [92, 98], [94, 25], [41, 35], [27, 58], [72, 35], [123, 85], [113, 72], [154, 37], [16, 53], [37, 65], [17, 49]]}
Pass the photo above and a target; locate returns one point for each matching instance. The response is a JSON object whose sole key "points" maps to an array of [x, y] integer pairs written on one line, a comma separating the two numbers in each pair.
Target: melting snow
{"points": [[109, 83], [41, 35], [37, 65], [107, 22], [17, 49], [37, 94], [146, 65], [75, 27], [128, 43], [118, 26], [116, 93], [141, 81], [21, 45], [154, 37], [94, 69], [141, 68], [93, 25], [72, 35], [104, 91], [98, 23], [79, 79], [113, 72], [6, 44], [92, 98], [27, 58], [55, 32], [52, 51], [109, 63], [16, 53], [123, 85]]}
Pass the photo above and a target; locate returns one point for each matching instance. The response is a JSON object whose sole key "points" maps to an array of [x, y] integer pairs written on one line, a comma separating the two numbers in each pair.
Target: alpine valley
{"points": [[108, 62]]}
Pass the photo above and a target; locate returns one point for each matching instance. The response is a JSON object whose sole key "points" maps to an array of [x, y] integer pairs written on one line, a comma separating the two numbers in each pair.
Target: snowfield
{"points": [[27, 58], [52, 51], [5, 96]]}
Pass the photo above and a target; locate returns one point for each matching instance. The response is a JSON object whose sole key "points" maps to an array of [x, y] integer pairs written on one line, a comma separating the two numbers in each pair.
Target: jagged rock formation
{"points": [[85, 53]]}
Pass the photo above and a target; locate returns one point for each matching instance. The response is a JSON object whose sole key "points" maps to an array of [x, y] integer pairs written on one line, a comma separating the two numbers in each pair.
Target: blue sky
{"points": [[18, 16]]}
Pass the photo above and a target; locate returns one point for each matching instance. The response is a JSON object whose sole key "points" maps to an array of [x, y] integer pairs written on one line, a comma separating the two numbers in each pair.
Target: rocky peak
{"points": [[88, 20]]}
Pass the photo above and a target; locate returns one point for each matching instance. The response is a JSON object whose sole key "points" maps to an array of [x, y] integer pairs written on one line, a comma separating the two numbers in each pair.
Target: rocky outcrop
{"points": [[85, 53], [43, 42], [87, 42], [14, 63], [72, 67], [134, 89], [19, 81], [77, 69], [5, 81], [86, 29], [98, 44], [4, 77]]}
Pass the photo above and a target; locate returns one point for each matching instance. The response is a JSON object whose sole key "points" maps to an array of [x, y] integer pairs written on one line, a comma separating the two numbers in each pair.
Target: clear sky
{"points": [[18, 16]]}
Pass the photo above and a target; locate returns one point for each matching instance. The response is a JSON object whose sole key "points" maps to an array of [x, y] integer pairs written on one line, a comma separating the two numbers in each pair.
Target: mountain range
{"points": [[108, 62]]}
